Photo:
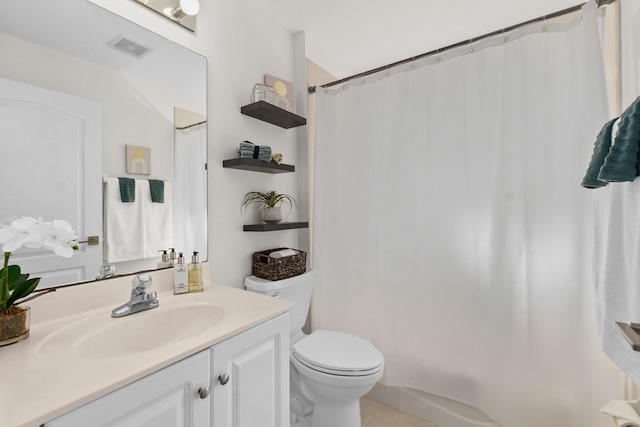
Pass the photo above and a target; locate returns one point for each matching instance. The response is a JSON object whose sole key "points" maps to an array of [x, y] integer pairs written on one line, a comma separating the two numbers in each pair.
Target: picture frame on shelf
{"points": [[282, 91]]}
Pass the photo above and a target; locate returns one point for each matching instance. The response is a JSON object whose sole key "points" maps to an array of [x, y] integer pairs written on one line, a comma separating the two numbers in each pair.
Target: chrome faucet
{"points": [[140, 299]]}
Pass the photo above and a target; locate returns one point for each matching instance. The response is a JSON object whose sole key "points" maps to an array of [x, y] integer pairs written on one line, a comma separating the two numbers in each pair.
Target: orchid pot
{"points": [[15, 286], [14, 325]]}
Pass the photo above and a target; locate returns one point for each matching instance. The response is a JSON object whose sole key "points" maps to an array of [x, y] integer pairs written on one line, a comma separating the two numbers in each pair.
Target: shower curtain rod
{"points": [[193, 125], [312, 89]]}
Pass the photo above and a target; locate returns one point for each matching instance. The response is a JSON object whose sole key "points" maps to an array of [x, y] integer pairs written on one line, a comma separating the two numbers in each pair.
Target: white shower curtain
{"points": [[190, 191], [450, 228]]}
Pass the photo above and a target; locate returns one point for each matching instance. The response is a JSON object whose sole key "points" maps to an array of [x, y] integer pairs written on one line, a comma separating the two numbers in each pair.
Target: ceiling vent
{"points": [[125, 45]]}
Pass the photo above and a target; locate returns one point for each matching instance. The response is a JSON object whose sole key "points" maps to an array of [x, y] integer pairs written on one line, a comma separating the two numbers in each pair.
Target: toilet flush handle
{"points": [[277, 295]]}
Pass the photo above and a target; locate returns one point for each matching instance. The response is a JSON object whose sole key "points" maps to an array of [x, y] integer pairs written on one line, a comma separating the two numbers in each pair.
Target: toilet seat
{"points": [[338, 353]]}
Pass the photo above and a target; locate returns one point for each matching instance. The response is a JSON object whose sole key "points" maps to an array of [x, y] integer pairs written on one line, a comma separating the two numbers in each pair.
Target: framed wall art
{"points": [[138, 159], [282, 91]]}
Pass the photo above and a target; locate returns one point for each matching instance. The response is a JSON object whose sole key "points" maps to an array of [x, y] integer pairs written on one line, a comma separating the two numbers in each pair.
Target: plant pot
{"points": [[272, 215], [14, 326]]}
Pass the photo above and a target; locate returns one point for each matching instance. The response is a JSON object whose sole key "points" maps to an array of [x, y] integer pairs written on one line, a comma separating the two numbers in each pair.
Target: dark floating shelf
{"points": [[276, 226], [269, 113], [256, 165]]}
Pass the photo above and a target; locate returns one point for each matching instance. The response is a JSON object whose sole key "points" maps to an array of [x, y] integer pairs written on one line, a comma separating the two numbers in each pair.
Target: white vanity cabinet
{"points": [[250, 377], [242, 381], [170, 397]]}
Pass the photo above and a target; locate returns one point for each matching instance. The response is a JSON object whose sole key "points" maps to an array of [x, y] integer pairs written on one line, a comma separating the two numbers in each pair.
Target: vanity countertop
{"points": [[68, 361]]}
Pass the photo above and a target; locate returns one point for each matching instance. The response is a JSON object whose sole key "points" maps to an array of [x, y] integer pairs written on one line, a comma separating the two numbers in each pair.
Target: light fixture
{"points": [[181, 12], [174, 12], [190, 7], [186, 7]]}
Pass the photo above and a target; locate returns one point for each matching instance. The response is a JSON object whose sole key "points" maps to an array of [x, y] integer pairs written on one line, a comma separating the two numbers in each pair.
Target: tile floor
{"points": [[376, 414]]}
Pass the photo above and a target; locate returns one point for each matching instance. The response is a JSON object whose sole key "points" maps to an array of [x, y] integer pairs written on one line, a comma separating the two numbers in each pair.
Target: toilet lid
{"points": [[338, 353]]}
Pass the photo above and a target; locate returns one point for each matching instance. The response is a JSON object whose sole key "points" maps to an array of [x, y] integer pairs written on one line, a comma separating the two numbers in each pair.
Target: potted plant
{"points": [[270, 203], [15, 286]]}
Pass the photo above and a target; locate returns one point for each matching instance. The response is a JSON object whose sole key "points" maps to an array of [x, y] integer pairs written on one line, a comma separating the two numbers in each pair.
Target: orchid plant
{"points": [[57, 236]]}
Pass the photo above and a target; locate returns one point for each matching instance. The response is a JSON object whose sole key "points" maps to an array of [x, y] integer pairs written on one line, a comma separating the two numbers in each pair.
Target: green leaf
{"points": [[16, 283], [22, 290], [14, 273], [270, 199]]}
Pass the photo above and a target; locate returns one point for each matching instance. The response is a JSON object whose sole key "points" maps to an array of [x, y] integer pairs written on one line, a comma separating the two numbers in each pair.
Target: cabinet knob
{"points": [[203, 392], [223, 378]]}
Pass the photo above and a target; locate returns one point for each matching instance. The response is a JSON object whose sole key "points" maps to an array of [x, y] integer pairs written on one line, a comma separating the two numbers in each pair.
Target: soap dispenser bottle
{"points": [[180, 284], [172, 257], [195, 274], [165, 259]]}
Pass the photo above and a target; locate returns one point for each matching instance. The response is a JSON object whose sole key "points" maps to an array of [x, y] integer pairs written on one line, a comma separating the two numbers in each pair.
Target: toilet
{"points": [[330, 370]]}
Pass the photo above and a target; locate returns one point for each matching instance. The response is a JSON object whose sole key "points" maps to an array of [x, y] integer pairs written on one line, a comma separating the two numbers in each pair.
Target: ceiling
{"points": [[351, 36]]}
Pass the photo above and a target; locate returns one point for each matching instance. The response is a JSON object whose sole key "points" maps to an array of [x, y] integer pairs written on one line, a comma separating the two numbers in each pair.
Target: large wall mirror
{"points": [[90, 101]]}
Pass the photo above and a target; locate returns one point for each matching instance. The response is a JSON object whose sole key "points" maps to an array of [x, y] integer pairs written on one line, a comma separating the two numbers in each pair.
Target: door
{"points": [[250, 377], [51, 163]]}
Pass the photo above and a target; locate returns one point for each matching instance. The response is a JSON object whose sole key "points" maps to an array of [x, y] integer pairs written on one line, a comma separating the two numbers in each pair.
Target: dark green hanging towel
{"points": [[127, 190], [157, 190]]}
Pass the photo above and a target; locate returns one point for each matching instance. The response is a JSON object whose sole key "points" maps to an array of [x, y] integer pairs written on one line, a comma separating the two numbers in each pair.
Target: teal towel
{"points": [[127, 190], [249, 150], [157, 190], [600, 152], [622, 162]]}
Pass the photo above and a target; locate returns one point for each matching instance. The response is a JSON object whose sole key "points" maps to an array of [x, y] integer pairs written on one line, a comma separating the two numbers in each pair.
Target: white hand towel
{"points": [[123, 227], [623, 413], [158, 218]]}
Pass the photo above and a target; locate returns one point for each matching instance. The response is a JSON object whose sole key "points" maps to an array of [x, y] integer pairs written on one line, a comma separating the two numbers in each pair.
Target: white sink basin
{"points": [[99, 336], [151, 329]]}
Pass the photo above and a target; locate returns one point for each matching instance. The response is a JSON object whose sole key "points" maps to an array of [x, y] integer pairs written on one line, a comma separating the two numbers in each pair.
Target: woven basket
{"points": [[270, 268]]}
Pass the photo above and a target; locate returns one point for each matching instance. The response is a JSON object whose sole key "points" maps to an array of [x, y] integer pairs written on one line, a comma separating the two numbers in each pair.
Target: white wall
{"points": [[241, 46]]}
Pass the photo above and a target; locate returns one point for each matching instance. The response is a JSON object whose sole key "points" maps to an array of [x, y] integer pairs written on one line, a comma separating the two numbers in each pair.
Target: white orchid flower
{"points": [[25, 222], [19, 232], [55, 236], [30, 232]]}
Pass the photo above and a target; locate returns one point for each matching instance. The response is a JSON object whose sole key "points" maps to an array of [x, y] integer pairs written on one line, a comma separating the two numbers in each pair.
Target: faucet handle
{"points": [[141, 282], [106, 271], [151, 296]]}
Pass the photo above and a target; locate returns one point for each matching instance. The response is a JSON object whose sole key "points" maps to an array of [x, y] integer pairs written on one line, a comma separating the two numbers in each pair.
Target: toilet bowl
{"points": [[334, 371], [330, 370]]}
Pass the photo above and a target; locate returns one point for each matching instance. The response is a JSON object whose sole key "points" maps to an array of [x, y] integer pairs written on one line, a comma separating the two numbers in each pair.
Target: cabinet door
{"points": [[256, 392], [167, 398]]}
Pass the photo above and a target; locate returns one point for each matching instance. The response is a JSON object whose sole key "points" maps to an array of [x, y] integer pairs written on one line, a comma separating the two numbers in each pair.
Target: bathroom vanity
{"points": [[217, 358]]}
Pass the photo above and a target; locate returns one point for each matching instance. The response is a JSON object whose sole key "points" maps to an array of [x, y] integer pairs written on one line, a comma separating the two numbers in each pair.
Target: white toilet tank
{"points": [[297, 289]]}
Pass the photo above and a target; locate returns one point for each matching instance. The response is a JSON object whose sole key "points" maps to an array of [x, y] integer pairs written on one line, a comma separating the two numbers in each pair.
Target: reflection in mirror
{"points": [[190, 188], [82, 84]]}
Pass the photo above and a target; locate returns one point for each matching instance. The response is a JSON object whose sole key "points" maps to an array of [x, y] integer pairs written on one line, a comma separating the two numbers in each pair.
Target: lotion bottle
{"points": [[180, 285], [165, 259], [195, 274], [172, 257]]}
